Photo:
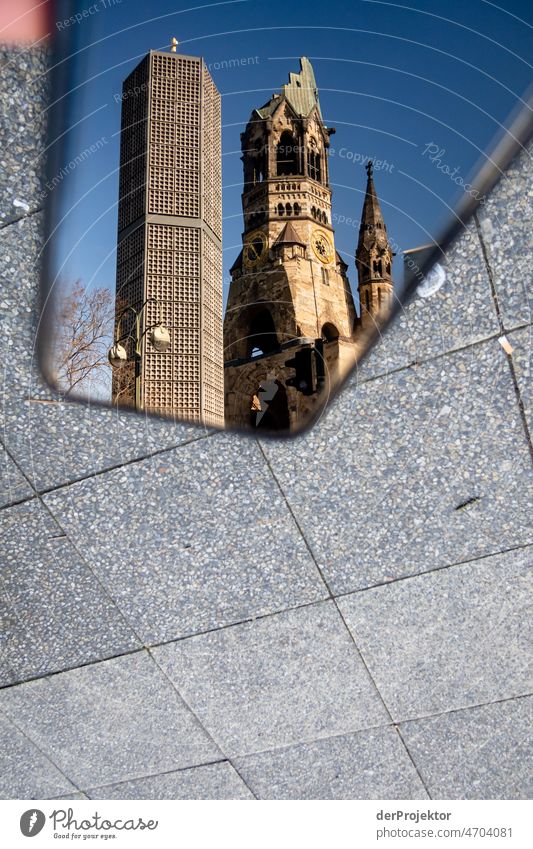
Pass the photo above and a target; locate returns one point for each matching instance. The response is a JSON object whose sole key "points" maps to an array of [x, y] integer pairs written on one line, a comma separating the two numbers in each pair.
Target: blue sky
{"points": [[392, 80]]}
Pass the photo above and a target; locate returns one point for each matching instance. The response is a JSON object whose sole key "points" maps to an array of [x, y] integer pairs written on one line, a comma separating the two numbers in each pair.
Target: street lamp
{"points": [[159, 337]]}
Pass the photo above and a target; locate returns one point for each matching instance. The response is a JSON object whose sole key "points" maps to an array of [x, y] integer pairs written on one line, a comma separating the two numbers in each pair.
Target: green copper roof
{"points": [[301, 92]]}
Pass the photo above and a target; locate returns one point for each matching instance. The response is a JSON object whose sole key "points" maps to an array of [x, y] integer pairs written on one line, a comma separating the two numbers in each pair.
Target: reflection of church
{"points": [[290, 300]]}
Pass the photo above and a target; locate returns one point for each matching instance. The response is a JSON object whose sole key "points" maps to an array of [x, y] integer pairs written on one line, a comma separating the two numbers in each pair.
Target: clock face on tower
{"points": [[322, 246], [255, 249]]}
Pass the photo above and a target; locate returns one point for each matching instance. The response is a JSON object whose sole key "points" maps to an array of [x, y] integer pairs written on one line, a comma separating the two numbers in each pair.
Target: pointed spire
{"points": [[371, 218], [301, 90]]}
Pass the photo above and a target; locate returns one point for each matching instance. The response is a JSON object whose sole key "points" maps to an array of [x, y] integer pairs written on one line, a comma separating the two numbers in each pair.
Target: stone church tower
{"points": [[289, 291]]}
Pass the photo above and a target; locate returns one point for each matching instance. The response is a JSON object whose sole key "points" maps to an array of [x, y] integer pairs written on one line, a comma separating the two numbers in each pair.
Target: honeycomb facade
{"points": [[169, 255]]}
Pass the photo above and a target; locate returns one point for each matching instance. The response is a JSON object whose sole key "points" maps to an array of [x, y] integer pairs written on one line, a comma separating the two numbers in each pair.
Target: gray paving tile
{"points": [[25, 773], [448, 639], [455, 315], [55, 612], [213, 781], [22, 129], [480, 753], [371, 764], [206, 539], [376, 486], [54, 441], [506, 222], [13, 485], [522, 343], [109, 722], [280, 680]]}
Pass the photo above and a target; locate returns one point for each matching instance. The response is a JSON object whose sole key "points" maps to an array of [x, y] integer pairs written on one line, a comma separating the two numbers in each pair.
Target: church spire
{"points": [[372, 217], [373, 258]]}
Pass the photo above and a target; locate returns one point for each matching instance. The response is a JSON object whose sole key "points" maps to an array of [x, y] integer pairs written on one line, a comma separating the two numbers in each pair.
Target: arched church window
{"points": [[287, 154], [288, 208], [313, 211], [281, 209], [325, 276], [297, 209], [388, 268]]}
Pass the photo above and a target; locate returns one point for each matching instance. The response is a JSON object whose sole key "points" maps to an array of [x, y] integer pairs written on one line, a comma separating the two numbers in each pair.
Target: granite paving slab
{"points": [[74, 797], [54, 611], [371, 764], [481, 753], [22, 129], [25, 772], [109, 722], [522, 344], [418, 469], [448, 639], [438, 320], [213, 781], [280, 680], [13, 485], [506, 224], [210, 541]]}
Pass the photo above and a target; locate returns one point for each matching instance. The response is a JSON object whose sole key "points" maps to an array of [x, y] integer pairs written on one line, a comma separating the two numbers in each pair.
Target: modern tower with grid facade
{"points": [[169, 253]]}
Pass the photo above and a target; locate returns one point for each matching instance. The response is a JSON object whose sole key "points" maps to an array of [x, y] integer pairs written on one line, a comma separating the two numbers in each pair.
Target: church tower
{"points": [[373, 260], [289, 287]]}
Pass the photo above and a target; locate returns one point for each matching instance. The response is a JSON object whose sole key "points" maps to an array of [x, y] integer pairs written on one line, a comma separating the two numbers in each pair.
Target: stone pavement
{"points": [[343, 615]]}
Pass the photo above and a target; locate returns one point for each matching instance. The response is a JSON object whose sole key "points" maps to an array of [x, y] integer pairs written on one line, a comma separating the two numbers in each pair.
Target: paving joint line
{"points": [[253, 618], [40, 749]]}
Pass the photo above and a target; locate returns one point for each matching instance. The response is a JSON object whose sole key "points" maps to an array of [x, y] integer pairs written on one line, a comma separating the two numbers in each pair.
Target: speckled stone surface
{"points": [[74, 797], [284, 679], [13, 485], [213, 781], [25, 773], [206, 549], [454, 316], [109, 722], [376, 486], [369, 765], [22, 129], [448, 639], [54, 612], [482, 753], [506, 223]]}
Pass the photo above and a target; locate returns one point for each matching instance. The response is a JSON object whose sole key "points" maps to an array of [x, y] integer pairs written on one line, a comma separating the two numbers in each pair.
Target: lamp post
{"points": [[159, 337]]}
